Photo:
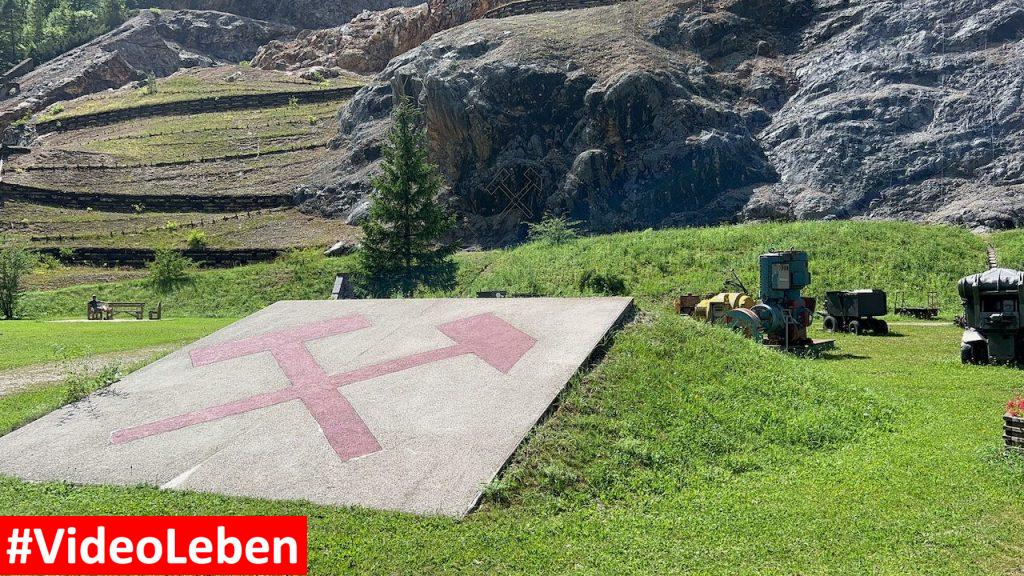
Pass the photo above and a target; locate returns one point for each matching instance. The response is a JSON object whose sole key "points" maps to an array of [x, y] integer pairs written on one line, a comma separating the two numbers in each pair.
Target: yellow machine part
{"points": [[714, 309]]}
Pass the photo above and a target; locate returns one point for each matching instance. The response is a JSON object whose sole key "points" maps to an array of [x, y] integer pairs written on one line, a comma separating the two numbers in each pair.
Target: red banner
{"points": [[153, 545]]}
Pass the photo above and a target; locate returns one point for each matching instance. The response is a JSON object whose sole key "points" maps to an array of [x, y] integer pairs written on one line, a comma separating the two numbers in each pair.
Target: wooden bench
{"points": [[158, 313], [135, 309], [343, 289]]}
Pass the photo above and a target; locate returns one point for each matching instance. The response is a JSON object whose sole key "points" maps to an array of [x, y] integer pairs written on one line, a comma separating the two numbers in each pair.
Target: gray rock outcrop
{"points": [[907, 110], [612, 116], [158, 43], [674, 112], [307, 14]]}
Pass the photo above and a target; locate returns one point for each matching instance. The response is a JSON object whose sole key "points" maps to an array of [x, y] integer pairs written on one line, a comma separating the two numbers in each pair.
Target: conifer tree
{"points": [[112, 13], [12, 32], [403, 243]]}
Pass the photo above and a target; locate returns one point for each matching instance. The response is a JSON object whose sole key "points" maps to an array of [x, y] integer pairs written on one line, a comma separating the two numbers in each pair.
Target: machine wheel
{"points": [[830, 323], [966, 354], [881, 327], [974, 353], [980, 352], [854, 327]]}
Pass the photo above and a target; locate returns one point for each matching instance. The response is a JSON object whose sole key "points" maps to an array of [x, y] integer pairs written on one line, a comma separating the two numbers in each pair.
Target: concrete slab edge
{"points": [[590, 362]]}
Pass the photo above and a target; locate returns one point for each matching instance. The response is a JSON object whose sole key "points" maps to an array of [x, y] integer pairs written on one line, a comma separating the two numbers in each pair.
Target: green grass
{"points": [[688, 449], [653, 265], [193, 85], [217, 134], [26, 342]]}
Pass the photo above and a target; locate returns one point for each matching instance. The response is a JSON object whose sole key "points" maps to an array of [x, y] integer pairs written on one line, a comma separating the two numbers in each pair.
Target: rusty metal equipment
{"points": [[782, 315], [928, 312], [687, 303], [9, 87], [855, 311], [994, 329], [716, 308]]}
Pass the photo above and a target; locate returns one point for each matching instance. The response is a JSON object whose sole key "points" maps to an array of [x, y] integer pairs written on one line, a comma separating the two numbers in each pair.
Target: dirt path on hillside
{"points": [[26, 377]]}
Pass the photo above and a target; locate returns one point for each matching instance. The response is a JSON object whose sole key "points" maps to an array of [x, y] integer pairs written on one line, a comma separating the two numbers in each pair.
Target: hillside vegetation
{"points": [[42, 29], [688, 449], [651, 265], [237, 156]]}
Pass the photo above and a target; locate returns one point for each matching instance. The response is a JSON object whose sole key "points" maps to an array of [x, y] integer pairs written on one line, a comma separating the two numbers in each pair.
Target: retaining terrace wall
{"points": [[199, 106], [107, 202], [139, 257], [532, 6]]}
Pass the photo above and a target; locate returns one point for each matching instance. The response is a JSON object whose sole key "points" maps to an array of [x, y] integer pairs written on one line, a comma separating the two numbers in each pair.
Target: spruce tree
{"points": [[12, 32], [112, 13], [403, 243]]}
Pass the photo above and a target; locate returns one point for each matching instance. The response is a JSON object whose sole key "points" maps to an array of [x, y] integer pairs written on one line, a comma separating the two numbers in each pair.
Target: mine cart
{"points": [[854, 311], [992, 303], [925, 313]]}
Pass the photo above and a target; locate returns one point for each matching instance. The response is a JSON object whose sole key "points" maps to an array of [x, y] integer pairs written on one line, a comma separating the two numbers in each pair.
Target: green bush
{"points": [[170, 271], [553, 230], [598, 283], [15, 262], [50, 262], [196, 240], [150, 86], [79, 386]]}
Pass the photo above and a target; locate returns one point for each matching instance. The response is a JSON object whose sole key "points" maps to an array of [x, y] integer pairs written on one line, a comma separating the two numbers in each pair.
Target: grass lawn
{"points": [[692, 450], [652, 265], [688, 449], [26, 342]]}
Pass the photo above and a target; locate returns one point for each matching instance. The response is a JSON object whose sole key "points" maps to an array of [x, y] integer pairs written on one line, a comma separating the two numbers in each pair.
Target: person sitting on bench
{"points": [[97, 309]]}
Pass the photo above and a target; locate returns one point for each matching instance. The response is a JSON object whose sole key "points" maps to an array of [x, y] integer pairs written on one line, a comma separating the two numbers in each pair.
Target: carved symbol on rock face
{"points": [[486, 336], [517, 189]]}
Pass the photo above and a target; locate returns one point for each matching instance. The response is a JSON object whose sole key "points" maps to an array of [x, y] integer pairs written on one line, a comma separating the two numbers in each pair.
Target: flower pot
{"points": [[1013, 431]]}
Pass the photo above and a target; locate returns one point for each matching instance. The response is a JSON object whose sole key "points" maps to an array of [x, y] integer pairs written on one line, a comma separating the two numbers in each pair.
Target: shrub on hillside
{"points": [[15, 262], [170, 270], [597, 283], [196, 240], [50, 262], [150, 87], [553, 230]]}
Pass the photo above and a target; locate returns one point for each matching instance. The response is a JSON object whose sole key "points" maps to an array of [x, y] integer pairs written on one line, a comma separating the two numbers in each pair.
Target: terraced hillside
{"points": [[174, 173]]}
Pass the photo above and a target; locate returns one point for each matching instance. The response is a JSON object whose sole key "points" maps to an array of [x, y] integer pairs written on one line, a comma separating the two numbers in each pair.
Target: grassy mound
{"points": [[678, 403]]}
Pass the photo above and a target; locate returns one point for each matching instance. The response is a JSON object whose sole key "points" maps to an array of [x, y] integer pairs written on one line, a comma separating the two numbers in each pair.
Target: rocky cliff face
{"points": [[308, 14], [367, 43], [908, 110], [625, 116], [364, 45], [151, 43], [668, 112]]}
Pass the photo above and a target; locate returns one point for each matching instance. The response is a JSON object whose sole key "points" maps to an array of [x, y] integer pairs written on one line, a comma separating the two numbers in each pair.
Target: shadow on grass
{"points": [[843, 356]]}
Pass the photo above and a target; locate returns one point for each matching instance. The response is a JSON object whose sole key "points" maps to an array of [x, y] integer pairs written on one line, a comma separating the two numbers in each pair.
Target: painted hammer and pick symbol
{"points": [[485, 336]]}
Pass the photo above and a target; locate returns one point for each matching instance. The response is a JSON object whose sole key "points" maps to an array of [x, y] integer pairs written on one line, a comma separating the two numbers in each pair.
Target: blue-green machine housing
{"points": [[783, 311]]}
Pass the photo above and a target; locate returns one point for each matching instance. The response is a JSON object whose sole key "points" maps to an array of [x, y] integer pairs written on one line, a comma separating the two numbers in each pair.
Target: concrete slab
{"points": [[409, 405]]}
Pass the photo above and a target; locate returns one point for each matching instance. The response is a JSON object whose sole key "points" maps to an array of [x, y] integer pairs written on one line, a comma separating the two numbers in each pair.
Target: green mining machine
{"points": [[993, 328], [782, 314]]}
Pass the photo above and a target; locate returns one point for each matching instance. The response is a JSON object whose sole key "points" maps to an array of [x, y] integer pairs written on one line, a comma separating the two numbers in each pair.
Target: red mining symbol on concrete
{"points": [[486, 336]]}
